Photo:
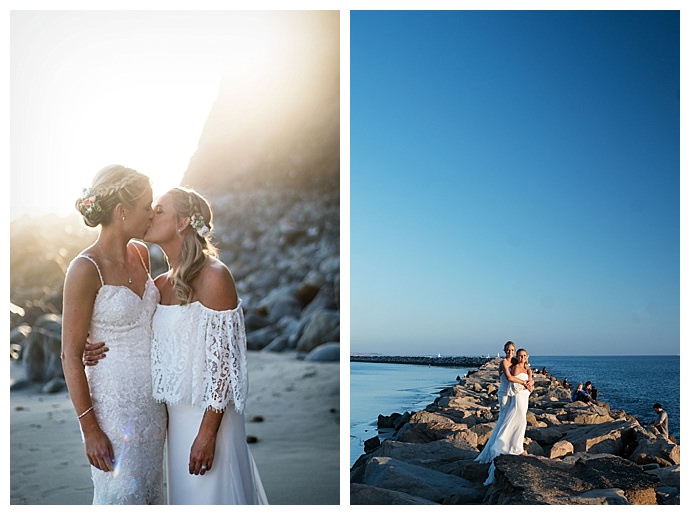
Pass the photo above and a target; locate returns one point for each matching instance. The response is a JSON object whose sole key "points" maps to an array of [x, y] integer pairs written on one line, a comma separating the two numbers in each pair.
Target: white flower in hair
{"points": [[199, 224]]}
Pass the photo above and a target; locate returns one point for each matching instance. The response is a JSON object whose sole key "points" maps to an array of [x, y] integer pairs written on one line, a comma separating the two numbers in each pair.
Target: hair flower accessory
{"points": [[89, 202], [197, 221]]}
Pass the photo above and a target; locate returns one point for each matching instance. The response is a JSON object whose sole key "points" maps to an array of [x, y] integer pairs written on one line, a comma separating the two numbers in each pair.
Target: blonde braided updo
{"points": [[112, 185], [195, 246]]}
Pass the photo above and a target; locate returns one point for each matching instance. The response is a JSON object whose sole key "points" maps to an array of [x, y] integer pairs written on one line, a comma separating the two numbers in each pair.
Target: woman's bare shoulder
{"points": [[83, 266], [83, 277], [217, 288]]}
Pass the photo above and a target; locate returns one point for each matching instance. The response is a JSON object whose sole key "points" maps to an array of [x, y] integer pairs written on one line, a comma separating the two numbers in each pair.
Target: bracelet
{"points": [[83, 414]]}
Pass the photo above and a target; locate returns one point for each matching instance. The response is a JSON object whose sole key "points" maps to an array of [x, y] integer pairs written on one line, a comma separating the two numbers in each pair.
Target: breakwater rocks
{"points": [[577, 453], [434, 361]]}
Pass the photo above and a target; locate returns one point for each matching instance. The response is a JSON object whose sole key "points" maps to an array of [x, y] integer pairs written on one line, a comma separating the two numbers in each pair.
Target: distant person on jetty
{"points": [[660, 424], [508, 435], [110, 297], [580, 394], [566, 384], [593, 392]]}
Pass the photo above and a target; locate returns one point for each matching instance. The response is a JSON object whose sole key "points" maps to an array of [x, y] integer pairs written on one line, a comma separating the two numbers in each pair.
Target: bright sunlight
{"points": [[89, 89]]}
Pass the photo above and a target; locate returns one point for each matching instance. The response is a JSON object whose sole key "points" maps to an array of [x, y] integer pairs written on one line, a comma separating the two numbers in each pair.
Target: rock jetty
{"points": [[578, 454], [434, 361]]}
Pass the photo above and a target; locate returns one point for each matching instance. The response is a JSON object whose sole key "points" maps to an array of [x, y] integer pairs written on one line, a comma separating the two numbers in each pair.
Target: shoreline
{"points": [[297, 452]]}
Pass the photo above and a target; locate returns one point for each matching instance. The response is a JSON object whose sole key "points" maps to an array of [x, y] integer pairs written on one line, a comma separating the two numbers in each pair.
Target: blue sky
{"points": [[514, 175]]}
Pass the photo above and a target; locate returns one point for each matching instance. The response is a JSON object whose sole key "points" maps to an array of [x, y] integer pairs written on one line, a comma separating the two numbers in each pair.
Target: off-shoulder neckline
{"points": [[198, 303]]}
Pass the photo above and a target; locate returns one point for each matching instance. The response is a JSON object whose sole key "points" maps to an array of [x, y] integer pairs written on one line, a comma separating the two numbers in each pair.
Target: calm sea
{"points": [[630, 383]]}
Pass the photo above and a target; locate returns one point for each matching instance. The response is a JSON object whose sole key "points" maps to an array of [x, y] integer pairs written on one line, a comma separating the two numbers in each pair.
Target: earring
{"points": [[123, 218]]}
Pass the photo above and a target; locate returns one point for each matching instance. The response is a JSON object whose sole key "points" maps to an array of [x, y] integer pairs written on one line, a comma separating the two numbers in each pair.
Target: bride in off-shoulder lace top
{"points": [[199, 362]]}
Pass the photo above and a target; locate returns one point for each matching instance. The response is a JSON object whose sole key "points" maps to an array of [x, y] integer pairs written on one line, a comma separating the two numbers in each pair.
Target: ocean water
{"points": [[630, 383], [385, 388]]}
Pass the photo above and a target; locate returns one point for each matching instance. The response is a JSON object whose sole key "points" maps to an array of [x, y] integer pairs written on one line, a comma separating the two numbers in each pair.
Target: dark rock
{"points": [[278, 344], [323, 327], [254, 321], [54, 385], [257, 340], [324, 352], [324, 300], [361, 494], [521, 480], [371, 444], [414, 480]]}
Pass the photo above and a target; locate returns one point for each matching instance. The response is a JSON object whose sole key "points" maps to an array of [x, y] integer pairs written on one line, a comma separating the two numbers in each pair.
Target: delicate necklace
{"points": [[129, 278]]}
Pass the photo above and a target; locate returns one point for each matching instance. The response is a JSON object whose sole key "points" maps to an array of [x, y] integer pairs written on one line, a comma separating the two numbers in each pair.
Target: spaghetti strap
{"points": [[136, 247], [95, 264]]}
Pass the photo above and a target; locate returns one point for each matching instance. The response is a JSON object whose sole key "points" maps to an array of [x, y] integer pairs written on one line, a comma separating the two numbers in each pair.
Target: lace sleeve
{"points": [[225, 359]]}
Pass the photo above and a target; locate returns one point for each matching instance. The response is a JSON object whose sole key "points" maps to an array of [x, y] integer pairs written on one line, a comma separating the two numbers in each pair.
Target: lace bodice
{"points": [[120, 387], [199, 356]]}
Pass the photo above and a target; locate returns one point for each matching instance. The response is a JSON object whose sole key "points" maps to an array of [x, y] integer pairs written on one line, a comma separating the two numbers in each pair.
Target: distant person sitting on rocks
{"points": [[579, 394], [661, 422], [591, 390], [543, 371], [566, 384]]}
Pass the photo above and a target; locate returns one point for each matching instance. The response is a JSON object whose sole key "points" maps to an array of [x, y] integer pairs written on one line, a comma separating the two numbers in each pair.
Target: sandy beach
{"points": [[297, 453]]}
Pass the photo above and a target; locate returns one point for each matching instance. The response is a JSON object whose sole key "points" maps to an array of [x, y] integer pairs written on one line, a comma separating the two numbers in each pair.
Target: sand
{"points": [[297, 453]]}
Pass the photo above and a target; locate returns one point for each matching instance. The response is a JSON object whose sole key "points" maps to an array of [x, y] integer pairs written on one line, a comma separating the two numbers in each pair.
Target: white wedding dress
{"points": [[199, 361], [504, 393], [121, 389], [508, 436]]}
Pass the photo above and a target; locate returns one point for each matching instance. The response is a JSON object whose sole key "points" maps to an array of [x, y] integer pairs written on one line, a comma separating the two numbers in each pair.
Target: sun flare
{"points": [[91, 89]]}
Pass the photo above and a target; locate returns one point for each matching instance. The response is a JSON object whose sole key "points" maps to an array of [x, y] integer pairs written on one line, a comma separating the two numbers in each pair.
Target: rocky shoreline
{"points": [[432, 361], [578, 454]]}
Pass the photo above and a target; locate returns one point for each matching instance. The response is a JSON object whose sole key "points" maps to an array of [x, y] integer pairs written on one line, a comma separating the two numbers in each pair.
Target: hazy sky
{"points": [[93, 88], [514, 176]]}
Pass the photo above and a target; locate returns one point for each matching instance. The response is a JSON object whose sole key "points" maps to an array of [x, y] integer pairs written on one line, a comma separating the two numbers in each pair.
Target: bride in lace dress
{"points": [[199, 361], [110, 297], [508, 435]]}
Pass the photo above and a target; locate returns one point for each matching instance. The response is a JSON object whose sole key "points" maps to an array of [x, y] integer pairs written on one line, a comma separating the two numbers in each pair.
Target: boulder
{"points": [[520, 480], [365, 494], [561, 448], [323, 327], [609, 437], [440, 455], [389, 473], [325, 352], [657, 449]]}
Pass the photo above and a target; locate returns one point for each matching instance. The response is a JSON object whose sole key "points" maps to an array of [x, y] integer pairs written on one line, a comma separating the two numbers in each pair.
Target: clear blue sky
{"points": [[515, 175]]}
